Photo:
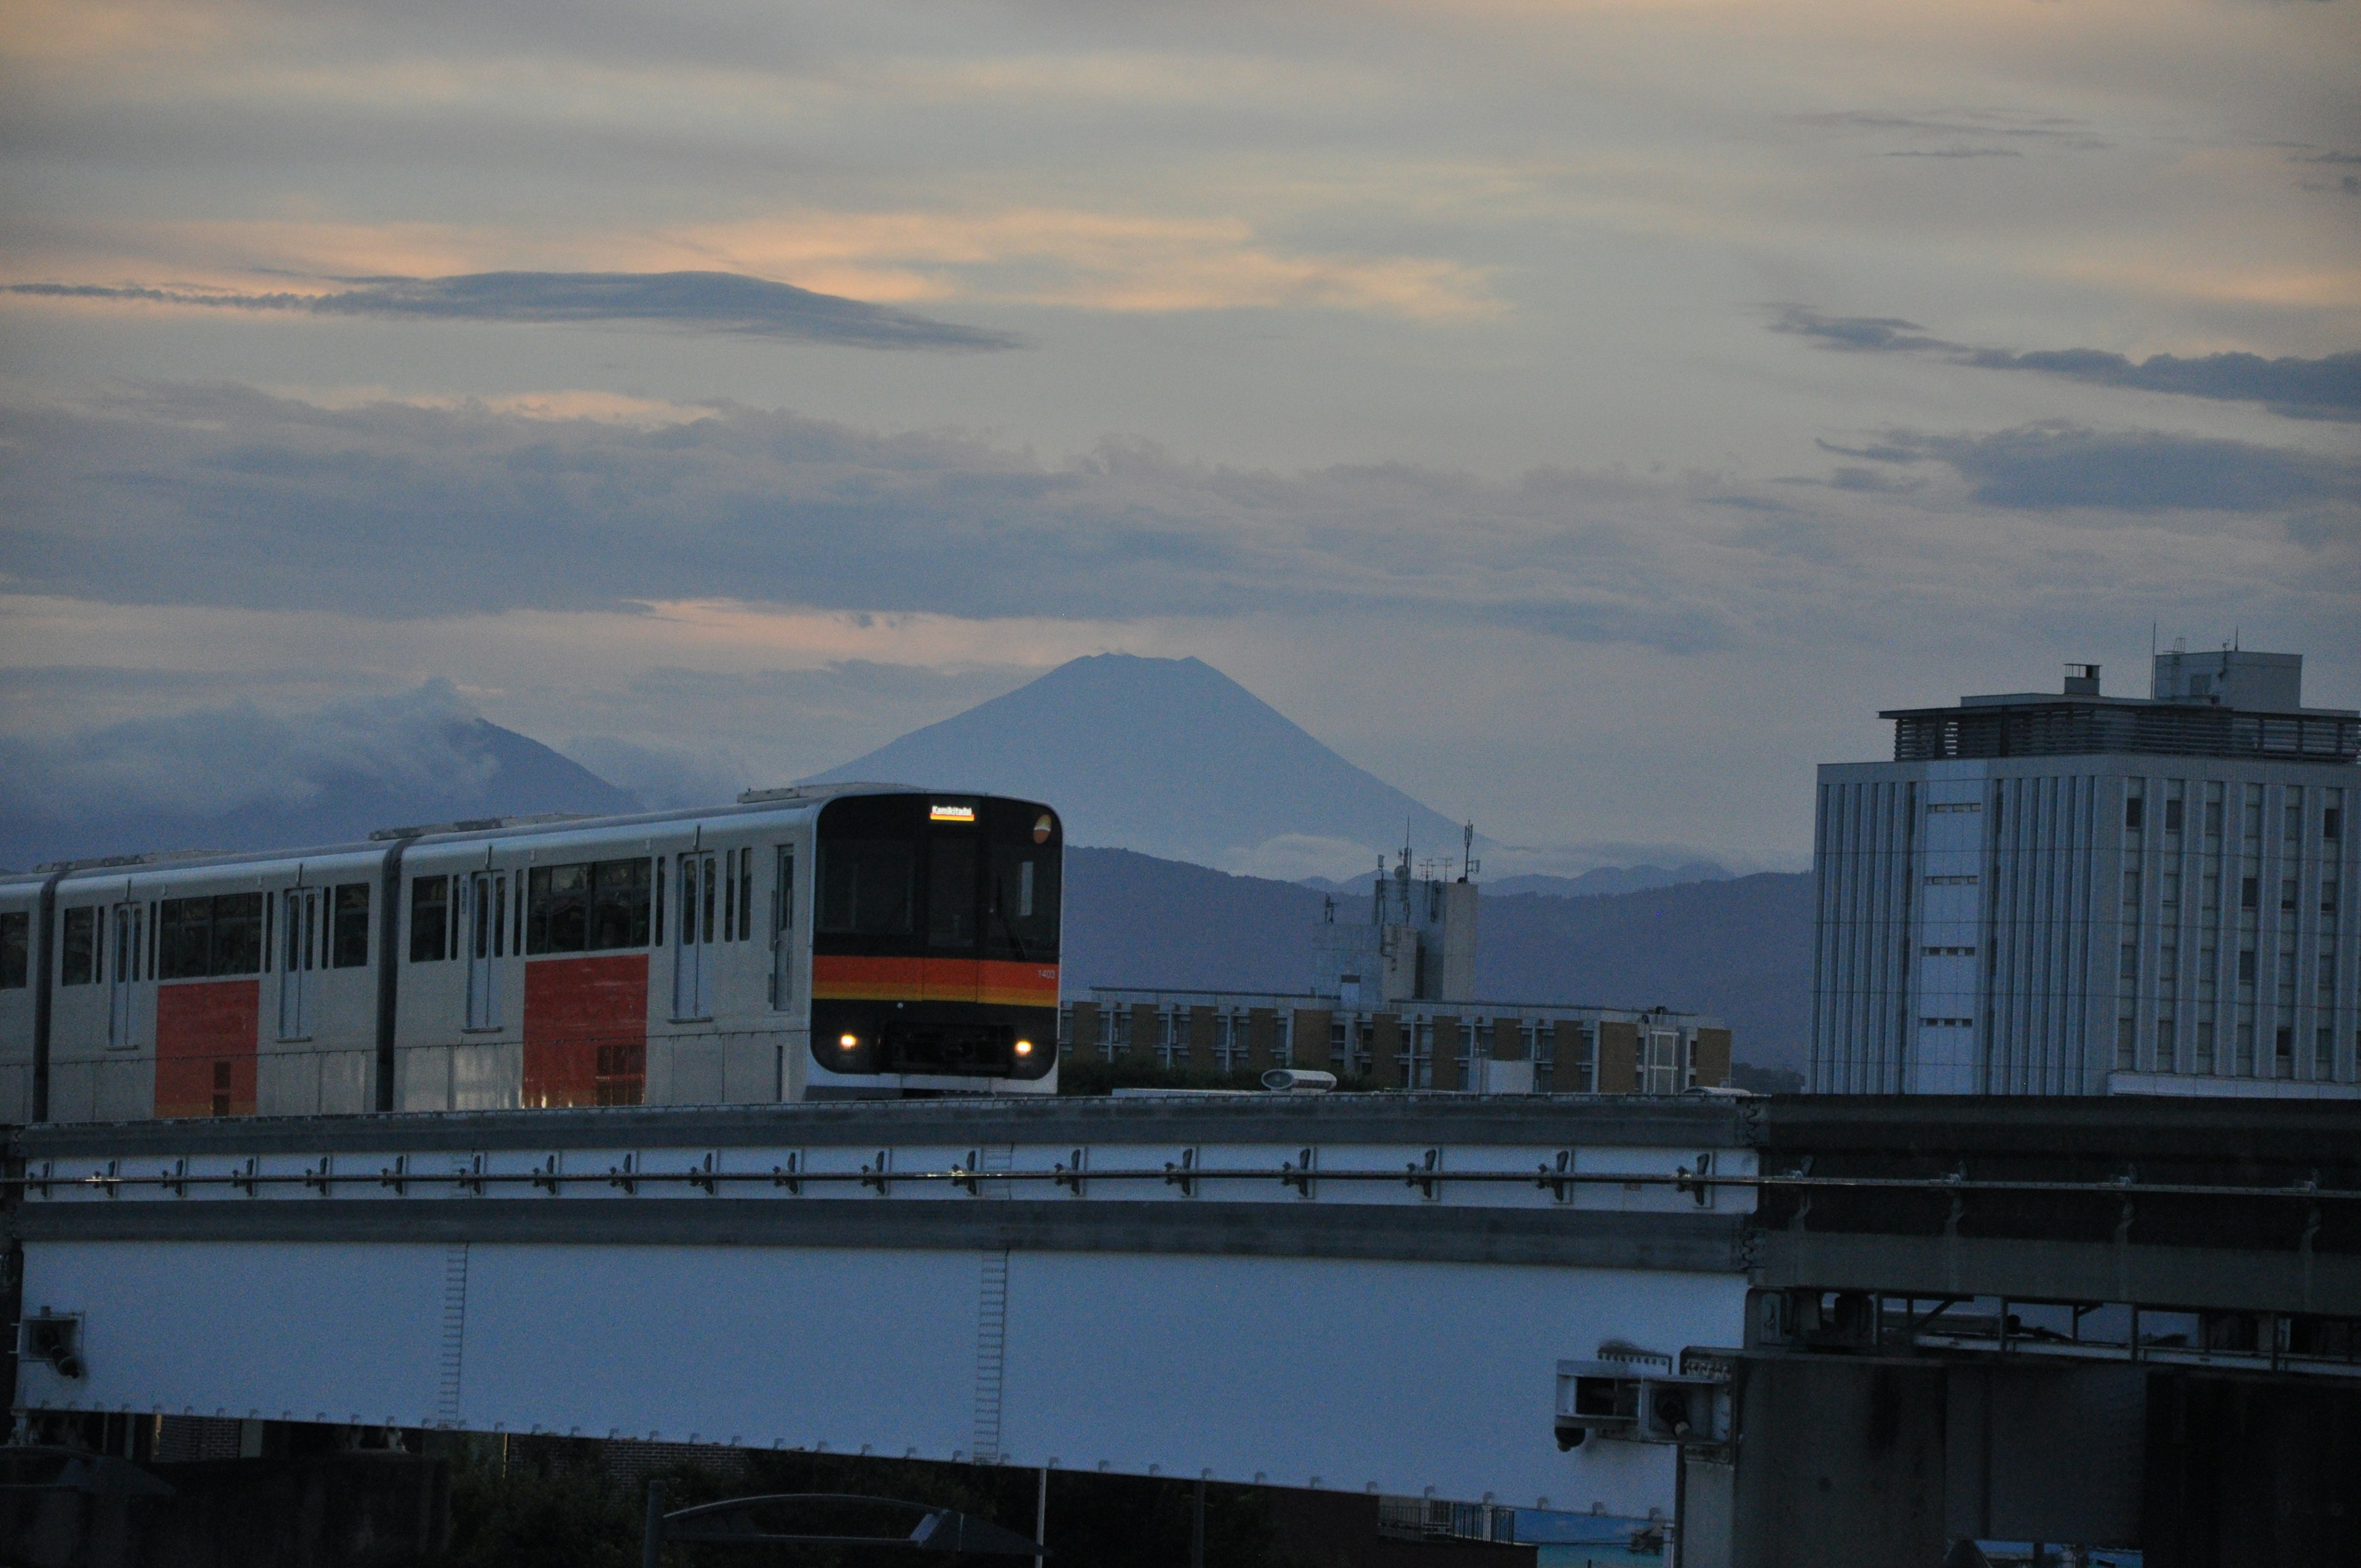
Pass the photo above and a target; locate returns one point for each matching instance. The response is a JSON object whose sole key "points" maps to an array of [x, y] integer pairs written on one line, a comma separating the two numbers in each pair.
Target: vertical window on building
{"points": [[2246, 966], [2283, 1052], [2210, 892], [2173, 815], [2131, 962], [2292, 812], [2332, 819], [15, 950], [2127, 1044], [2252, 828], [2168, 888], [430, 918], [2250, 893], [349, 937], [2245, 1063], [2131, 887], [2328, 890], [2168, 1048], [79, 959], [2132, 813], [2205, 1062], [2214, 810], [2288, 896], [2323, 1053]]}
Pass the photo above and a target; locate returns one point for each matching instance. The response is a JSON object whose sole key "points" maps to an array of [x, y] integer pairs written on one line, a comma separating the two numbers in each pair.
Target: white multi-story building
{"points": [[2086, 894]]}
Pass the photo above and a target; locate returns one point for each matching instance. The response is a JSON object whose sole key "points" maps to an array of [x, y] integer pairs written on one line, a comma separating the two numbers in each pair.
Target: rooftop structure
{"points": [[2226, 704]]}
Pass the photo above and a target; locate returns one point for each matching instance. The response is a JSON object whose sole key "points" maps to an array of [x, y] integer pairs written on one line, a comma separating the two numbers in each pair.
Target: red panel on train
{"points": [[586, 1031], [205, 1047]]}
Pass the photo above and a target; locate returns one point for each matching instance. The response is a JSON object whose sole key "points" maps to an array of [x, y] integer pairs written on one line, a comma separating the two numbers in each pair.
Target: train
{"points": [[856, 941]]}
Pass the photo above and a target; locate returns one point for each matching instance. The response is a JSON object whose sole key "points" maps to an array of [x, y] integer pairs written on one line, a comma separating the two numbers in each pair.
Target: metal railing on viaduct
{"points": [[1356, 1291]]}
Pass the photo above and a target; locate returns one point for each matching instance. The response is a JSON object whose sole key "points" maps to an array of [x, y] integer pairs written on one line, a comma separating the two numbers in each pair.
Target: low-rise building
{"points": [[1496, 1047]]}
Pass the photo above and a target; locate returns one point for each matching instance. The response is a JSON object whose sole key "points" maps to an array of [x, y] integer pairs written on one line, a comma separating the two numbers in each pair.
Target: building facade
{"points": [[2084, 895], [1496, 1047]]}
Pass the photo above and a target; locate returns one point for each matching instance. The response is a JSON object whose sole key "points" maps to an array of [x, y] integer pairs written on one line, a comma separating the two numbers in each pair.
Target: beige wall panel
{"points": [[1711, 1060], [1310, 1046], [1618, 1059]]}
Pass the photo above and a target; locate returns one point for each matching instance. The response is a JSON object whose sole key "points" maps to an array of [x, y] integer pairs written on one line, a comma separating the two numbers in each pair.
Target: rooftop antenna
{"points": [[1467, 852]]}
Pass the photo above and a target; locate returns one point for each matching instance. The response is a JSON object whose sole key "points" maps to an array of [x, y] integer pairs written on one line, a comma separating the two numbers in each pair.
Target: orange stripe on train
{"points": [[993, 982]]}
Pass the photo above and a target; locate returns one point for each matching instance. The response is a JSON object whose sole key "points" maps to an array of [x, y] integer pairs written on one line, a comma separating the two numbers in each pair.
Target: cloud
{"points": [[209, 761], [2326, 387], [703, 302], [392, 531], [1964, 130], [2053, 466], [225, 496]]}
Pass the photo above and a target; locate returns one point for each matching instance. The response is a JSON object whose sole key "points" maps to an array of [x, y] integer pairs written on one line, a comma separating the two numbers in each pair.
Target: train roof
{"points": [[796, 800]]}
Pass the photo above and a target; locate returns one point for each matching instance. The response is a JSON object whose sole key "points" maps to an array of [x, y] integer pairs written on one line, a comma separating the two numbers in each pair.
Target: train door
{"points": [[124, 972], [486, 902], [692, 955], [300, 915]]}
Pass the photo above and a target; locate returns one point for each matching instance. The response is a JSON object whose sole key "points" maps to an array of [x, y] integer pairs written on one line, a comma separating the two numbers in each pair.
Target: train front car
{"points": [[935, 927]]}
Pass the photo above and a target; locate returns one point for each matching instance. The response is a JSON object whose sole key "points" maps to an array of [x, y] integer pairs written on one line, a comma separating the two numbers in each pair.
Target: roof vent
{"points": [[478, 824], [818, 791], [2081, 680]]}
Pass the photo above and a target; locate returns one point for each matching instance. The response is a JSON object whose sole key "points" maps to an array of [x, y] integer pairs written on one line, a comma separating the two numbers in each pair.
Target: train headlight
{"points": [[850, 1042], [1024, 1047]]}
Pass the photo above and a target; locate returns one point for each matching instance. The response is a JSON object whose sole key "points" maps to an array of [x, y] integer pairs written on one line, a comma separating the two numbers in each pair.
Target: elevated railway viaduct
{"points": [[1898, 1321]]}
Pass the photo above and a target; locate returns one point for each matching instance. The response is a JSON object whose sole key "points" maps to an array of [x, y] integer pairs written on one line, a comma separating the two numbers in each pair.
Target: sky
{"points": [[1585, 416]]}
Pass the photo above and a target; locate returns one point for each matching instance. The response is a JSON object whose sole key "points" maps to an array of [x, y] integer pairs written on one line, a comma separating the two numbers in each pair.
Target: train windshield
{"points": [[961, 876]]}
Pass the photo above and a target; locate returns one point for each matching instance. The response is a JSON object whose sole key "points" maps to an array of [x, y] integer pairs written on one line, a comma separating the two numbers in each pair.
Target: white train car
{"points": [[862, 941]]}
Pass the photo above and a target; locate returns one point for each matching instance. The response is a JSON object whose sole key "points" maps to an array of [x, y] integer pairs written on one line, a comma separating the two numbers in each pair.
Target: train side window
{"points": [[350, 934], [15, 950], [430, 918], [619, 900], [557, 909], [237, 933], [81, 948], [187, 947], [745, 893]]}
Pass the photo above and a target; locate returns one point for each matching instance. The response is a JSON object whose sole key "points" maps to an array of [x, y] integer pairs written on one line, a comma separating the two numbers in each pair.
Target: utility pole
{"points": [[653, 1533], [1041, 1515]]}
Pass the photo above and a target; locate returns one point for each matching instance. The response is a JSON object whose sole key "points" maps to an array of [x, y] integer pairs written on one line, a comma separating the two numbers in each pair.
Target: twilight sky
{"points": [[1585, 416]]}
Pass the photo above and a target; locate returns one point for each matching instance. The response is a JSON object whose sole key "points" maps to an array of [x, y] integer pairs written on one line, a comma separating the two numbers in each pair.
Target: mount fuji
{"points": [[1168, 757]]}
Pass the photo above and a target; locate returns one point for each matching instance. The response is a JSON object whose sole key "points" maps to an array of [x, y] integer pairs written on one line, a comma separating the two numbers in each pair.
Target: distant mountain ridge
{"points": [[1599, 880], [1170, 757], [1738, 947]]}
